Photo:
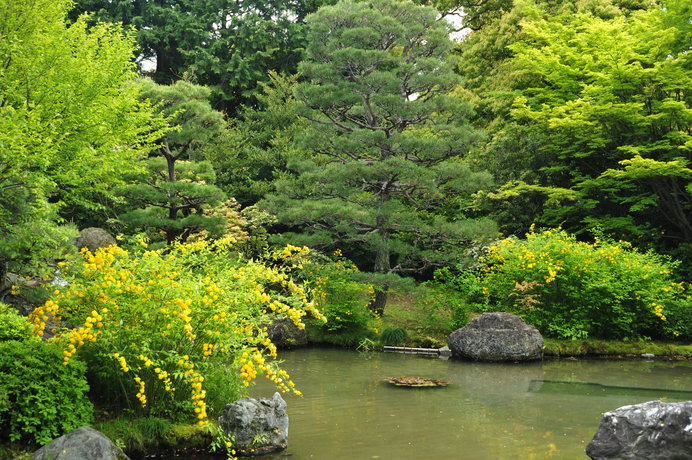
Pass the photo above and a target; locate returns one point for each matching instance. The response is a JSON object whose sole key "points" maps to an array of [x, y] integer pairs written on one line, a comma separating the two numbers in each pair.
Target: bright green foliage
{"points": [[175, 333], [70, 122], [175, 194], [40, 399], [595, 103], [227, 45], [387, 136], [13, 326], [460, 291], [571, 289]]}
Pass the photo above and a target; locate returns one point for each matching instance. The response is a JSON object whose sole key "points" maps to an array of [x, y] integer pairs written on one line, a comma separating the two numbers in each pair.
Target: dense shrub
{"points": [[572, 289], [173, 333], [40, 398], [13, 326]]}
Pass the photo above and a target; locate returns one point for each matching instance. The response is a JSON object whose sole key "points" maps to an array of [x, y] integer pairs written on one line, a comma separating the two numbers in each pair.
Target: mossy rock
{"points": [[187, 437]]}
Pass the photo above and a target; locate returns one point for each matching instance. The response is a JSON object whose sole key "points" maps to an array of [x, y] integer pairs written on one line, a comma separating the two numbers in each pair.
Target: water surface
{"points": [[491, 411]]}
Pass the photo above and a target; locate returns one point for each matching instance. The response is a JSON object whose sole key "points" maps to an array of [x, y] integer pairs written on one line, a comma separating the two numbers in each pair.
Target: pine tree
{"points": [[175, 192], [388, 138]]}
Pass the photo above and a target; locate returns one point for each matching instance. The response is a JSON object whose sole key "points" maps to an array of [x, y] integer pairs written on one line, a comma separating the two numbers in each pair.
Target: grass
{"points": [[141, 436], [426, 324], [597, 347]]}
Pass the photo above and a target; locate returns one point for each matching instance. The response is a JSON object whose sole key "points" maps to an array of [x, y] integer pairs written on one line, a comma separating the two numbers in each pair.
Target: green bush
{"points": [[42, 398], [13, 326], [574, 290]]}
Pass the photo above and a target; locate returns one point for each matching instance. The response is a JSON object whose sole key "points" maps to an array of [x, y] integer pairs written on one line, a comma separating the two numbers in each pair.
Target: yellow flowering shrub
{"points": [[573, 289], [173, 332]]}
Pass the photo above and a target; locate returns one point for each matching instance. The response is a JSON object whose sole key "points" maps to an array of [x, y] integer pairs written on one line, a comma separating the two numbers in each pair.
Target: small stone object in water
{"points": [[416, 382], [445, 351], [648, 355]]}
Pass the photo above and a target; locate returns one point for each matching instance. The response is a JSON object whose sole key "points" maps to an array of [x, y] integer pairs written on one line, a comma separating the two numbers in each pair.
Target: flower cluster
{"points": [[122, 361], [658, 311], [39, 317], [141, 394], [195, 380], [171, 319]]}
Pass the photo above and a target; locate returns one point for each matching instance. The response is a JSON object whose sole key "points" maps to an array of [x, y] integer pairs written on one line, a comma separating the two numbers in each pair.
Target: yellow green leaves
{"points": [[70, 121]]}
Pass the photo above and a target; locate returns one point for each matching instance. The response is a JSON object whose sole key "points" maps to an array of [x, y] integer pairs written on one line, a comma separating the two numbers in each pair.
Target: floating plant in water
{"points": [[416, 382]]}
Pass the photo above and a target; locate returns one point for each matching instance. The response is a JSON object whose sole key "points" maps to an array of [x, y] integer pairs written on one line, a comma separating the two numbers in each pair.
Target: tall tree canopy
{"points": [[226, 45], [588, 111], [70, 120], [388, 138], [252, 153]]}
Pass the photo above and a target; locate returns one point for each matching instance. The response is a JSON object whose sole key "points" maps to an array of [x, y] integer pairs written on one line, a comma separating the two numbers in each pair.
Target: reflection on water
{"points": [[490, 411]]}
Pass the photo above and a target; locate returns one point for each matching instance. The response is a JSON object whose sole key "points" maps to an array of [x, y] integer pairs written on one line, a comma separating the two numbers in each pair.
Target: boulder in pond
{"points": [[94, 238], [260, 426], [83, 443], [497, 337], [284, 334], [652, 430]]}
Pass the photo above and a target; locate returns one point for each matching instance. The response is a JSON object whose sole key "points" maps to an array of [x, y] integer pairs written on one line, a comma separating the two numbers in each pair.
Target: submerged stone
{"points": [[497, 337]]}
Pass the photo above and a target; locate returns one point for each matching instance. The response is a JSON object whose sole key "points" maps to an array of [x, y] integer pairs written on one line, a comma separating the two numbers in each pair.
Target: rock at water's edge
{"points": [[284, 334], [497, 337], [653, 431], [259, 426], [83, 443]]}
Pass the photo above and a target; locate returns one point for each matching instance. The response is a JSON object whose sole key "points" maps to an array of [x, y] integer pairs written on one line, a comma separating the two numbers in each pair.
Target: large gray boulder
{"points": [[94, 238], [497, 337], [653, 431], [84, 443], [259, 426], [284, 334]]}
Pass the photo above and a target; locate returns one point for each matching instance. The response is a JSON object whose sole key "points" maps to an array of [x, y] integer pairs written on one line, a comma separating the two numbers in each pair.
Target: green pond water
{"points": [[543, 410], [490, 411]]}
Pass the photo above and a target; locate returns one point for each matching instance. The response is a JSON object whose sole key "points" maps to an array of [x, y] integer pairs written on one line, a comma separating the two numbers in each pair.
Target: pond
{"points": [[490, 411]]}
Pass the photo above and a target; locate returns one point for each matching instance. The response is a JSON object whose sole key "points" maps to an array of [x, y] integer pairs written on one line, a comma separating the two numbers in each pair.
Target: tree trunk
{"points": [[171, 232], [377, 304], [382, 265], [3, 276]]}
